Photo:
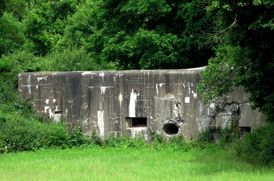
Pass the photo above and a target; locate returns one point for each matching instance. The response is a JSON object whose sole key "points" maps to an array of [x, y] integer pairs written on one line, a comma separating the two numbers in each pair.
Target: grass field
{"points": [[109, 164]]}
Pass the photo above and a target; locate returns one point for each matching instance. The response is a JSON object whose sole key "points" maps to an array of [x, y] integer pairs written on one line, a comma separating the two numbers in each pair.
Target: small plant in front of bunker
{"points": [[96, 139]]}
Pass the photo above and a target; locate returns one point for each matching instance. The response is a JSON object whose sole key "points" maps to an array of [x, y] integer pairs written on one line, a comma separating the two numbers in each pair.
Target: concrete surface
{"points": [[133, 102]]}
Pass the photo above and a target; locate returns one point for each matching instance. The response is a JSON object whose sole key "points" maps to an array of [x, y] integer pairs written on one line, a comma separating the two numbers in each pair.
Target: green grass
{"points": [[98, 163]]}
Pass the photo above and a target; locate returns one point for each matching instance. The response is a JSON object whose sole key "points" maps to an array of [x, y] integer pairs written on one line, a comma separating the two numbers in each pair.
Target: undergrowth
{"points": [[257, 147]]}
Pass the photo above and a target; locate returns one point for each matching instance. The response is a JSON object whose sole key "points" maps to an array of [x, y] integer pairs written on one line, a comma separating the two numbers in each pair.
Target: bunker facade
{"points": [[134, 103]]}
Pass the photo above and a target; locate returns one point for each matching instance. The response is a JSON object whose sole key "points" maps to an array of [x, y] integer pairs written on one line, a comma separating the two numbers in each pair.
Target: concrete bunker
{"points": [[133, 102]]}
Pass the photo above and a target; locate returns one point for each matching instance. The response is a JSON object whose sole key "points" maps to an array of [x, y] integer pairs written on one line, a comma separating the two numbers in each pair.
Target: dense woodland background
{"points": [[234, 38]]}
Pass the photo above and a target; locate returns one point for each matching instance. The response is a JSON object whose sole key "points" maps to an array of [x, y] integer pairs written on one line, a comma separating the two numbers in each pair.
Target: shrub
{"points": [[19, 134], [258, 146], [207, 136], [77, 137], [95, 139], [73, 60], [225, 135]]}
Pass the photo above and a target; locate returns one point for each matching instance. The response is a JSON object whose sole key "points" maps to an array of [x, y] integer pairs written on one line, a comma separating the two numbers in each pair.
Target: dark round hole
{"points": [[171, 128]]}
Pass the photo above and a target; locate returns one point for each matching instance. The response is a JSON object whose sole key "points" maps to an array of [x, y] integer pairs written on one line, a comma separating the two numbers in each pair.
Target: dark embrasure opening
{"points": [[136, 122], [171, 128]]}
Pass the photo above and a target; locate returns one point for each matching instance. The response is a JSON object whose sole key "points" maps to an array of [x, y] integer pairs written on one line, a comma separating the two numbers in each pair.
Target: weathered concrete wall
{"points": [[133, 102]]}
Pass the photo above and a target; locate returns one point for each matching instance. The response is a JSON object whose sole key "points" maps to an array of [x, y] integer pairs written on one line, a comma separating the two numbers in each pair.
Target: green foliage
{"points": [[220, 74], [21, 130], [140, 34], [45, 22], [208, 136], [158, 142], [11, 36], [18, 133], [218, 135], [77, 138], [244, 54], [10, 67], [95, 139], [258, 146], [73, 60], [15, 7]]}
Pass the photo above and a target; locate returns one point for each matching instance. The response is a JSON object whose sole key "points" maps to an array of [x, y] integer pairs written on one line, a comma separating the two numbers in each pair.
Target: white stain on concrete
{"points": [[161, 84], [57, 108], [47, 101], [138, 131], [199, 120], [54, 100], [187, 100], [200, 127], [132, 103], [101, 74], [29, 85], [85, 106], [176, 111], [101, 126], [87, 73], [195, 95], [198, 68], [57, 117], [168, 96], [85, 122], [212, 105], [157, 86], [37, 86], [48, 110], [103, 89], [42, 78], [120, 99]]}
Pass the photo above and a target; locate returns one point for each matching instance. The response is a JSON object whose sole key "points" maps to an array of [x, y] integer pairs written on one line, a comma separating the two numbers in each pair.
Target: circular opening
{"points": [[171, 128]]}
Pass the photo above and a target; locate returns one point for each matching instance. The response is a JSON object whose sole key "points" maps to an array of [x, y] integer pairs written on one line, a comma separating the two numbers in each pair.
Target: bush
{"points": [[226, 135], [77, 137], [258, 146], [19, 134], [73, 60], [207, 136]]}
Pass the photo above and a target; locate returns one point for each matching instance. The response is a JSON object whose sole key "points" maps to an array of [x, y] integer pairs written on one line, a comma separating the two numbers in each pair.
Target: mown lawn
{"points": [[109, 164]]}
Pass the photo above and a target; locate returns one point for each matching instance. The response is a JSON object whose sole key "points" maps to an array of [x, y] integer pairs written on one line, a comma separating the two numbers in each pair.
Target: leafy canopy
{"points": [[244, 53]]}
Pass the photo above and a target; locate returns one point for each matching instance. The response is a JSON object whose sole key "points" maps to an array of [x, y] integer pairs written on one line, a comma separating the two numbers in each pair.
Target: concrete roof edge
{"points": [[189, 70]]}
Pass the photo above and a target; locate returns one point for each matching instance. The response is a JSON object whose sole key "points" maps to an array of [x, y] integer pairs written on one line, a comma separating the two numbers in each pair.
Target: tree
{"points": [[244, 54], [11, 34], [141, 34], [45, 22]]}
